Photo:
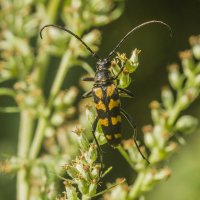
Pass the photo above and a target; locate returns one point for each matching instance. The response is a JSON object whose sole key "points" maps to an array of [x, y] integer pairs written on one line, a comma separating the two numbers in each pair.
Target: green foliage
{"points": [[46, 121]]}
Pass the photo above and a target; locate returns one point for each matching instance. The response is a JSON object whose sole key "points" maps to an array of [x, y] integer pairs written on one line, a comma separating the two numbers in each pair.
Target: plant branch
{"points": [[25, 133]]}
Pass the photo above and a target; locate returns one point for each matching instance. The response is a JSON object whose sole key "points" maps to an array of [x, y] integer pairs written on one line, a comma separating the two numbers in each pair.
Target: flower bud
{"points": [[58, 102], [148, 136], [197, 68], [133, 63], [174, 76], [159, 136], [157, 155], [83, 170], [92, 37], [196, 51], [155, 111], [187, 62], [82, 139], [95, 171], [57, 119], [11, 165], [69, 97], [5, 74], [82, 185], [171, 147], [184, 101], [90, 113], [197, 81], [148, 179], [186, 124], [30, 101], [71, 170], [162, 174], [115, 67], [49, 132], [124, 80], [93, 188], [100, 136], [188, 97], [91, 154], [71, 191]]}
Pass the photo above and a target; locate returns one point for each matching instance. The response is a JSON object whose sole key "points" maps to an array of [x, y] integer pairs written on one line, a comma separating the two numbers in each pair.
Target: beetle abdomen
{"points": [[107, 104]]}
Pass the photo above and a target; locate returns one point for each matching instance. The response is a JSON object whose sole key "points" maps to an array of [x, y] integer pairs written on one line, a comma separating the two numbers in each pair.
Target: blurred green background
{"points": [[158, 51]]}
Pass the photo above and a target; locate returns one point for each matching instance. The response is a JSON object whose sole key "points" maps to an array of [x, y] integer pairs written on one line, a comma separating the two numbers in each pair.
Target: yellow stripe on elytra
{"points": [[117, 135], [115, 120], [104, 122], [113, 104], [110, 90], [100, 106], [98, 92], [109, 137]]}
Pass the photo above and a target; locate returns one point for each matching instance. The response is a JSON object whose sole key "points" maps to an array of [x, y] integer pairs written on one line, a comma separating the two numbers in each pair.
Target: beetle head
{"points": [[103, 64]]}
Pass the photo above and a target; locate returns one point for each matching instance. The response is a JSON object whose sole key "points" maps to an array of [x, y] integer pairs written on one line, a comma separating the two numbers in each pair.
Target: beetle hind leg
{"points": [[94, 126], [126, 92], [133, 125]]}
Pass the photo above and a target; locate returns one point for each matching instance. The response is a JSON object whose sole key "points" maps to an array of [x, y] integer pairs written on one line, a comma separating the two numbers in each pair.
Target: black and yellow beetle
{"points": [[106, 94]]}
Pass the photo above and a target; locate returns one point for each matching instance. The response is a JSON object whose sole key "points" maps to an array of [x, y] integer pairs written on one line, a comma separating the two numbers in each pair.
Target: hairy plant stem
{"points": [[38, 138], [136, 189], [25, 134]]}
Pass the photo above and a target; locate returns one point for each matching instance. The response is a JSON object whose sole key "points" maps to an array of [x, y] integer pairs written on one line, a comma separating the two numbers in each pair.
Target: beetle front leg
{"points": [[94, 126], [88, 79], [127, 92], [87, 94], [116, 76], [133, 125]]}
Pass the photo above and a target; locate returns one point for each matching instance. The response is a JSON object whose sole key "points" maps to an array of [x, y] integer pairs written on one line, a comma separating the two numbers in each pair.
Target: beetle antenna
{"points": [[136, 28], [70, 32]]}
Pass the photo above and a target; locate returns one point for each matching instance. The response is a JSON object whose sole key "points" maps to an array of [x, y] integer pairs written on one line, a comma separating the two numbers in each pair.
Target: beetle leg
{"points": [[127, 92], [87, 94], [94, 126], [88, 79], [116, 76], [130, 121]]}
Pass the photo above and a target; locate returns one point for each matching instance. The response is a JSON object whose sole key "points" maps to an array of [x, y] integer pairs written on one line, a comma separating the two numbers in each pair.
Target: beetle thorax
{"points": [[103, 74]]}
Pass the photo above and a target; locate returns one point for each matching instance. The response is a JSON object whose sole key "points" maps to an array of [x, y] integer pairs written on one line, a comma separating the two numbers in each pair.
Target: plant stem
{"points": [[60, 76], [52, 10], [38, 138], [43, 58], [126, 156], [25, 133], [136, 189]]}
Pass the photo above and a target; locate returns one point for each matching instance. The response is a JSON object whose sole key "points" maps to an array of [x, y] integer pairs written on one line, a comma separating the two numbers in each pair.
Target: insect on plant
{"points": [[106, 93]]}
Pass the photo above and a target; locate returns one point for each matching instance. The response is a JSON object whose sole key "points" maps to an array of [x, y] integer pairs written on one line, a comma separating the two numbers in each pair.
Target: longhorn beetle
{"points": [[106, 94]]}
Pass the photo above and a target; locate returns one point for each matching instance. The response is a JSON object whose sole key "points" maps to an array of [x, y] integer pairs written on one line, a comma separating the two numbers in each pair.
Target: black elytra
{"points": [[105, 92]]}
